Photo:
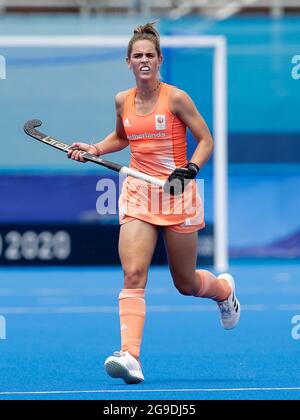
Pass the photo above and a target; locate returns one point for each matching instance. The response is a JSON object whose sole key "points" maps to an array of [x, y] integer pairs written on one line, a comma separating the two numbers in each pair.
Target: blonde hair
{"points": [[147, 32]]}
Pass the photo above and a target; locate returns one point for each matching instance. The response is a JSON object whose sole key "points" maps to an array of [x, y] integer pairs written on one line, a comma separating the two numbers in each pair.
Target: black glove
{"points": [[180, 177]]}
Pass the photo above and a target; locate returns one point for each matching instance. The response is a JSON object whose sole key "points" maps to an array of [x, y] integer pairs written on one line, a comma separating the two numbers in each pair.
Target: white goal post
{"points": [[219, 45]]}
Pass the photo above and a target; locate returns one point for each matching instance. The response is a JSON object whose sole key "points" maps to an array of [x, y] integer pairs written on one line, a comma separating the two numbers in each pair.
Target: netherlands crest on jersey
{"points": [[160, 122]]}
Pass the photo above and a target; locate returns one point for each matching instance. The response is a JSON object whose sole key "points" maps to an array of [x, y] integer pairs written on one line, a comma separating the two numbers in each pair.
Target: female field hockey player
{"points": [[152, 118]]}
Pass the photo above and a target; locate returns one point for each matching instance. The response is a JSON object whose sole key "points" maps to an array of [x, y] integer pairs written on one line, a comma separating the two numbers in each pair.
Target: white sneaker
{"points": [[123, 365], [230, 308]]}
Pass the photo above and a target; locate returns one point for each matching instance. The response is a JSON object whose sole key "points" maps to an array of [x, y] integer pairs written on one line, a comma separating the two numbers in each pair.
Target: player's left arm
{"points": [[184, 108]]}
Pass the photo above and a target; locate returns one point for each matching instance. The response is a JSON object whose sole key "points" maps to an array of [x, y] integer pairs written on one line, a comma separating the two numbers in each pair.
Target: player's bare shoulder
{"points": [[178, 99], [119, 101]]}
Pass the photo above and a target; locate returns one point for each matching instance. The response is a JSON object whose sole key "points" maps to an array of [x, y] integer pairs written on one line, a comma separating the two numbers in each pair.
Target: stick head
{"points": [[31, 125]]}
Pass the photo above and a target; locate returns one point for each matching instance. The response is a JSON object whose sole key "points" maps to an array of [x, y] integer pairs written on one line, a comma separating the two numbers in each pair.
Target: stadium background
{"points": [[62, 321], [263, 122]]}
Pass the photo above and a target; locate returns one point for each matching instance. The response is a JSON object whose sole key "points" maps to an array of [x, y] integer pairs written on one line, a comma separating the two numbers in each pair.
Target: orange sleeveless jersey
{"points": [[157, 143]]}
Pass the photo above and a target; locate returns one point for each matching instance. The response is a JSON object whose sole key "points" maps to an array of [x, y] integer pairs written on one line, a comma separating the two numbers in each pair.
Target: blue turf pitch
{"points": [[61, 324]]}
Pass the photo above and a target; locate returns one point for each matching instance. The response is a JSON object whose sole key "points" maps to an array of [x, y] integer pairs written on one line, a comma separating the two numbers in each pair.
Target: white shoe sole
{"points": [[117, 370], [230, 280]]}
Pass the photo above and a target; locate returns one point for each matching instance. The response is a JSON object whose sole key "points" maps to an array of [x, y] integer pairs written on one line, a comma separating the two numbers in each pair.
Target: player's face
{"points": [[144, 60]]}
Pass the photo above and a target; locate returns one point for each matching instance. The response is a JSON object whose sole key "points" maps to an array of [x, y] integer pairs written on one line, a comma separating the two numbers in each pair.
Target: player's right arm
{"points": [[115, 141]]}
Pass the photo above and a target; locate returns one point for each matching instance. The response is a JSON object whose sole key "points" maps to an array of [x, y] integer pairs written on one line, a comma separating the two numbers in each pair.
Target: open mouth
{"points": [[145, 68]]}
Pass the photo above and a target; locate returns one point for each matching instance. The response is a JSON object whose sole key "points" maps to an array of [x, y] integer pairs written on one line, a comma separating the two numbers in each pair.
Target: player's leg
{"points": [[136, 246], [137, 242], [182, 257]]}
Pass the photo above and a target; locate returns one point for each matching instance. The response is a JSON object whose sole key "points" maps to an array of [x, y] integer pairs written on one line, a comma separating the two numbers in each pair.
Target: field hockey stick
{"points": [[30, 129]]}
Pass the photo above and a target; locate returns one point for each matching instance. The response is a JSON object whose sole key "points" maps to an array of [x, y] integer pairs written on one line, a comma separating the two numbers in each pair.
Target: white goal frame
{"points": [[219, 45]]}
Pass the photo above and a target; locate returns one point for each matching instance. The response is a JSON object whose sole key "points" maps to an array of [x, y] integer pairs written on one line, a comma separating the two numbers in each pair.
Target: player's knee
{"points": [[185, 284], [185, 289], [134, 278]]}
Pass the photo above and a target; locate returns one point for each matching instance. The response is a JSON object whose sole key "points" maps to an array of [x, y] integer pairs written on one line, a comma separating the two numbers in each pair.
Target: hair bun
{"points": [[145, 32], [148, 28]]}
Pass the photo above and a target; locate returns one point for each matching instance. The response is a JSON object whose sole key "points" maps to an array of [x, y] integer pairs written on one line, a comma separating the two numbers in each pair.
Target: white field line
{"points": [[113, 291], [120, 391], [21, 310]]}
